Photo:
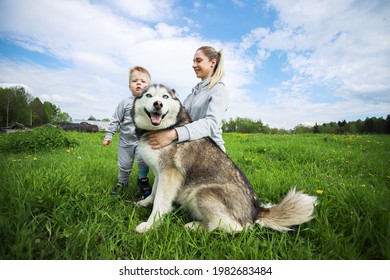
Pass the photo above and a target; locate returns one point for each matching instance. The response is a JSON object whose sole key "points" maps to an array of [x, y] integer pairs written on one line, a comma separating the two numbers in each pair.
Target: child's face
{"points": [[138, 81]]}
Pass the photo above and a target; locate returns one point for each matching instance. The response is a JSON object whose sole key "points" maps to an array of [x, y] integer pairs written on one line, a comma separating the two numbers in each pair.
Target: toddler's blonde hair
{"points": [[139, 69]]}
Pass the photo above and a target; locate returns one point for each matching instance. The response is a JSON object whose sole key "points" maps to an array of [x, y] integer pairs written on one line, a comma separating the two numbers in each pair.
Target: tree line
{"points": [[19, 106], [371, 125], [247, 125]]}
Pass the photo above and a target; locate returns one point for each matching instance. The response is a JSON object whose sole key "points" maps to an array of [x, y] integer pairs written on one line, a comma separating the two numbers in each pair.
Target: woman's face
{"points": [[203, 67]]}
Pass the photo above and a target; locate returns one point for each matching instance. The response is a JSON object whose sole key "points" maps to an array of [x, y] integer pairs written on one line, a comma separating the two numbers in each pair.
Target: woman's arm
{"points": [[205, 127]]}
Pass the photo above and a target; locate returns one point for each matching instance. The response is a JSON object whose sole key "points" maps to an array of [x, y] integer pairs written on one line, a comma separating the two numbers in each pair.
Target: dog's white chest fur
{"points": [[150, 156]]}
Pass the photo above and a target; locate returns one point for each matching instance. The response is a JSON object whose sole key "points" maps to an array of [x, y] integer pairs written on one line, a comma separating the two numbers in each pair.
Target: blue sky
{"points": [[286, 62]]}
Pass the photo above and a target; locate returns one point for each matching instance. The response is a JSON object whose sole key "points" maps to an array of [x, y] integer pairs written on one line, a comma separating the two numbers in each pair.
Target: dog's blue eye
{"points": [[148, 95], [165, 96]]}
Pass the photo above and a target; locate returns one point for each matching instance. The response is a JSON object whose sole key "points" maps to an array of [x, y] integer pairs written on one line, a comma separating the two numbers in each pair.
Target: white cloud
{"points": [[146, 10], [253, 37], [343, 42], [71, 26], [238, 3], [166, 31], [77, 93]]}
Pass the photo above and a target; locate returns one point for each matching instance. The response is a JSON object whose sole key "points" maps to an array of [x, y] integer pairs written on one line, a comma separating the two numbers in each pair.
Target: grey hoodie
{"points": [[122, 119], [206, 108]]}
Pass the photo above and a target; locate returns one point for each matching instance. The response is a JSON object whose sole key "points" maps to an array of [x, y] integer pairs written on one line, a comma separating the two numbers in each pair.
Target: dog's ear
{"points": [[174, 94]]}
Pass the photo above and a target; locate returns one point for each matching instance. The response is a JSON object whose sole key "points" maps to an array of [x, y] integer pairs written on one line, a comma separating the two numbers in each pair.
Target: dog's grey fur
{"points": [[200, 176]]}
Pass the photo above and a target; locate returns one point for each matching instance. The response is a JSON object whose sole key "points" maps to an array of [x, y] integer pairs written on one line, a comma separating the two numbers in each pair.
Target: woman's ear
{"points": [[213, 62]]}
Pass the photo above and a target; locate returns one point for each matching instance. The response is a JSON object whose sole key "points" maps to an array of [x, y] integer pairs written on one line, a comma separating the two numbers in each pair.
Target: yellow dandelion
{"points": [[68, 151], [35, 158], [320, 192]]}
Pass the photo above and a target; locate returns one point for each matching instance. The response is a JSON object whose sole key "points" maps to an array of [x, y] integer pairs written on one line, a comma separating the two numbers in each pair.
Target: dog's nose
{"points": [[157, 105]]}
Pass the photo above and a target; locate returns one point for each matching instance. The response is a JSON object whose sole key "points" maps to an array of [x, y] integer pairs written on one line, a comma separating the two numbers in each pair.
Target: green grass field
{"points": [[56, 204]]}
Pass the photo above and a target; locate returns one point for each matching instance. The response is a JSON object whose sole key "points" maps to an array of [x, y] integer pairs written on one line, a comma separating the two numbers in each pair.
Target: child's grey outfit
{"points": [[127, 142]]}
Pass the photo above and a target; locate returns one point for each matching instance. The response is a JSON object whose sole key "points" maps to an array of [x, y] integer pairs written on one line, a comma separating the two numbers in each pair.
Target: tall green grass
{"points": [[56, 204]]}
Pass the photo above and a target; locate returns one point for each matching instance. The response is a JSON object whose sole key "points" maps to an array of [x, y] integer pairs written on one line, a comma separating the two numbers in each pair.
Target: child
{"points": [[128, 143]]}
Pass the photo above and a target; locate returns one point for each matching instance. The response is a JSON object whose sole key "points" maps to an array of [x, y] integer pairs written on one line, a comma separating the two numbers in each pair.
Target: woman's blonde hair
{"points": [[141, 70], [219, 71]]}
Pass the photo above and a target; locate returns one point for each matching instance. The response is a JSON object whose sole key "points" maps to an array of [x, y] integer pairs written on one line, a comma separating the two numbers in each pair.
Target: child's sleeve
{"points": [[116, 120]]}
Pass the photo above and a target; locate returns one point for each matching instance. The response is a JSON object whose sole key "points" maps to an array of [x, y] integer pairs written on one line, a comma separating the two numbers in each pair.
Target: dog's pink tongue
{"points": [[155, 118]]}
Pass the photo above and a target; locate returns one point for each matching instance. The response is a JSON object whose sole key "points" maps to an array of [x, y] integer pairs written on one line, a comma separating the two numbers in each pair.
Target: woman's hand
{"points": [[161, 139]]}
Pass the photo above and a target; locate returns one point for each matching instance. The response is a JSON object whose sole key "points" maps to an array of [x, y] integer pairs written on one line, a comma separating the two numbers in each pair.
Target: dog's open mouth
{"points": [[155, 117]]}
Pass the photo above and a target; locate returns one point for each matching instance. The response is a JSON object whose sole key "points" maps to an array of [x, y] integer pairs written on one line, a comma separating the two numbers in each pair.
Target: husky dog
{"points": [[200, 176]]}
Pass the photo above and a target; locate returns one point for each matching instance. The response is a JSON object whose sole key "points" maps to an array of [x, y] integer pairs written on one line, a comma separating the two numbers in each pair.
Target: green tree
{"points": [[342, 127], [49, 109], [62, 117], [54, 113], [359, 126], [245, 125], [229, 126], [39, 116], [329, 128], [379, 125], [368, 126], [387, 124], [300, 129], [316, 128], [14, 106], [17, 105], [6, 99]]}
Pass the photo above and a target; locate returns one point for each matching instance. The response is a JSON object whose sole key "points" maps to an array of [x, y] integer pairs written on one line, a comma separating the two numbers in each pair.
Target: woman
{"points": [[206, 104]]}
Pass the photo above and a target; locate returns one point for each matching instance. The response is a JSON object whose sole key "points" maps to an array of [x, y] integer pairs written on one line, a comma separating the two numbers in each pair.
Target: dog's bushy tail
{"points": [[296, 208]]}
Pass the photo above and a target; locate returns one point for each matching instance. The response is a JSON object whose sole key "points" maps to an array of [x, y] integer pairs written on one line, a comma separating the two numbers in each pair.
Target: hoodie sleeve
{"points": [[217, 104], [116, 120]]}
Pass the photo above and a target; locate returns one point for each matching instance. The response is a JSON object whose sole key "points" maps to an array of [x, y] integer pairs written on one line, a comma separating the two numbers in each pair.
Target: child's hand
{"points": [[106, 142]]}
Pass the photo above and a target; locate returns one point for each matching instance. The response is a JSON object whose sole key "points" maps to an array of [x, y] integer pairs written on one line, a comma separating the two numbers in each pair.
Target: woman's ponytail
{"points": [[219, 71]]}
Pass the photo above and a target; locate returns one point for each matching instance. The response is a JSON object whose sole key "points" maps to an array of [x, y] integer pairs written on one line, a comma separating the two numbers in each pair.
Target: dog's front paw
{"points": [[194, 225], [144, 202], [142, 227]]}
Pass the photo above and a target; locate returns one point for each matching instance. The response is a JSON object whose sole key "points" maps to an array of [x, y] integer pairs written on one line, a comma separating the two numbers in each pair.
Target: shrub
{"points": [[38, 139]]}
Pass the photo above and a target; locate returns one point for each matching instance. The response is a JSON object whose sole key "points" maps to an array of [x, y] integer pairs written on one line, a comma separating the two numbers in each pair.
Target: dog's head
{"points": [[157, 108]]}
